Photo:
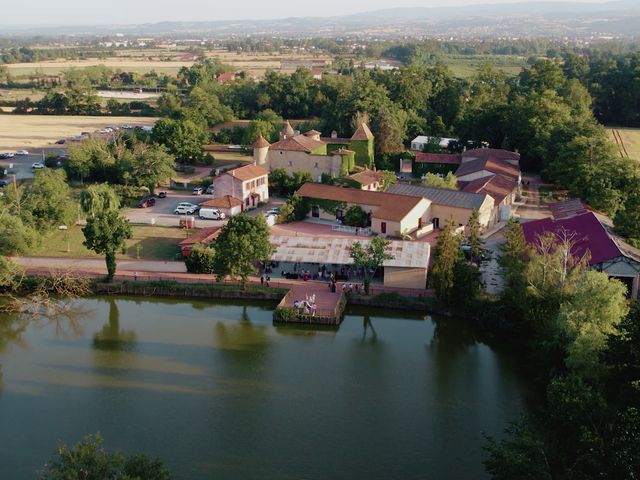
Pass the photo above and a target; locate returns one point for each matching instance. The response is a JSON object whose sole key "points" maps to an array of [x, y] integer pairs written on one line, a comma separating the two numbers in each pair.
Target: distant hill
{"points": [[523, 19]]}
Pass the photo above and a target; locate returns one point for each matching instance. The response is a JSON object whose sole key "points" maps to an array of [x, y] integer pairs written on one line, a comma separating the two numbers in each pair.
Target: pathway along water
{"points": [[216, 391]]}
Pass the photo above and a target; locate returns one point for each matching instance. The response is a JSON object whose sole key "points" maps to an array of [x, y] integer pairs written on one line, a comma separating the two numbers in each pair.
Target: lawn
{"points": [[627, 142], [155, 243]]}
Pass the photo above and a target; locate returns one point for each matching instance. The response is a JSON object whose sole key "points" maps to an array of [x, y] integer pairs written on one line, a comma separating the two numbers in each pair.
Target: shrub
{"points": [[200, 259]]}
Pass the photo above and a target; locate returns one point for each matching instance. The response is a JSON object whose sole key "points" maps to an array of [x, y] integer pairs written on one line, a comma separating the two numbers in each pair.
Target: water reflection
{"points": [[242, 335], [368, 327], [111, 337]]}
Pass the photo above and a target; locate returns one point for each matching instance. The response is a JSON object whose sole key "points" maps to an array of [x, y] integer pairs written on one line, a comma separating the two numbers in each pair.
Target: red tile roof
{"points": [[261, 142], [590, 235], [226, 201], [391, 206], [499, 167], [287, 129], [498, 186], [226, 77], [491, 153], [567, 209], [248, 172], [442, 158], [203, 235], [299, 143], [362, 133], [367, 177]]}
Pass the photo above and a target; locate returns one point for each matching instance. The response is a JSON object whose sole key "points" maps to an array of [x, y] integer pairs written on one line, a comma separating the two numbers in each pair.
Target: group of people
{"points": [[265, 279], [306, 306]]}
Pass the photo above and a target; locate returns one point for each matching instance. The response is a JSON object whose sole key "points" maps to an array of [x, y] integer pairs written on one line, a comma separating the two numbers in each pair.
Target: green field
{"points": [[465, 66], [627, 142], [156, 243]]}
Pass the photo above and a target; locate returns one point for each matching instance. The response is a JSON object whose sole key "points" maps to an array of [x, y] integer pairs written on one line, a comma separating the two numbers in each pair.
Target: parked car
{"points": [[211, 214], [162, 194], [272, 211], [147, 202], [22, 152], [183, 210], [189, 205], [7, 155], [210, 189], [37, 165], [197, 191], [62, 141]]}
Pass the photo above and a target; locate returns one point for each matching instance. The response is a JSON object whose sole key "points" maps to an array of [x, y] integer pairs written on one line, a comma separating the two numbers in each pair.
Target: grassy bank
{"points": [[148, 243]]}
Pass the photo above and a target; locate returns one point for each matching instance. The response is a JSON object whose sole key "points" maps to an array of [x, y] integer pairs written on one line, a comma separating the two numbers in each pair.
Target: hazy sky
{"points": [[57, 12]]}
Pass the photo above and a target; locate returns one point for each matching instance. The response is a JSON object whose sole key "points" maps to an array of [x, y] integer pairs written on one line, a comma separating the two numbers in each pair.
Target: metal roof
{"points": [[441, 196], [335, 250]]}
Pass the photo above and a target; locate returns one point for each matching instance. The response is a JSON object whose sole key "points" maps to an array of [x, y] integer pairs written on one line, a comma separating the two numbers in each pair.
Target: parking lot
{"points": [[162, 212], [20, 165]]}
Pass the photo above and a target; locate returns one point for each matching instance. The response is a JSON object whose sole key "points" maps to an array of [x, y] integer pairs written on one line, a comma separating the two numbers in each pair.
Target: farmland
{"points": [[25, 131], [627, 141], [161, 61]]}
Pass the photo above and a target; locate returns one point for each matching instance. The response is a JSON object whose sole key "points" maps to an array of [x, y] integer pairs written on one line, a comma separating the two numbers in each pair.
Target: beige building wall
{"points": [[302, 161], [487, 213], [228, 185], [405, 277]]}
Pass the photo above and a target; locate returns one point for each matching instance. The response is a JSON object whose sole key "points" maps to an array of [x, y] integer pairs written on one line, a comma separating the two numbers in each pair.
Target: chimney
{"points": [[334, 134]]}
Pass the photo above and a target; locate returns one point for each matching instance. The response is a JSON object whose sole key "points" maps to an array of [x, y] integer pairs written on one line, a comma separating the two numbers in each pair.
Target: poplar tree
{"points": [[446, 256]]}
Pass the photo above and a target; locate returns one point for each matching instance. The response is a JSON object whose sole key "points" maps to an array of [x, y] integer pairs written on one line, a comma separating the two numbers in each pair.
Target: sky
{"points": [[87, 12]]}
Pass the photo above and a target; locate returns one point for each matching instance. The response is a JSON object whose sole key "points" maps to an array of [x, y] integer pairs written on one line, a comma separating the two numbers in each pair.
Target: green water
{"points": [[216, 391]]}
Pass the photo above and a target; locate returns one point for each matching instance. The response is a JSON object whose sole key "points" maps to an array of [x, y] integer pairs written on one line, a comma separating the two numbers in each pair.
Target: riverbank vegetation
{"points": [[579, 336]]}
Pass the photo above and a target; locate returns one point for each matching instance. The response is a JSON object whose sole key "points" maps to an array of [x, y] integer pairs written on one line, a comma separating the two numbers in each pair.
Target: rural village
{"points": [[219, 239]]}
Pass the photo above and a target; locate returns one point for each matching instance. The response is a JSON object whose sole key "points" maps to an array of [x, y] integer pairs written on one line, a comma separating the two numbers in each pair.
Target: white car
{"points": [[37, 165], [197, 191], [188, 205], [272, 211], [22, 152], [184, 210]]}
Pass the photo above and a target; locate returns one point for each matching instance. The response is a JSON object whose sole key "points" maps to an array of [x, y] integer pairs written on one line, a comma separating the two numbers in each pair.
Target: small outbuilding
{"points": [[227, 204]]}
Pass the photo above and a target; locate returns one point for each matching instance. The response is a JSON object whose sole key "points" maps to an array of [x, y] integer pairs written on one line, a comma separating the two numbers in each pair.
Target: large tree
{"points": [[371, 257], [48, 202], [242, 242], [183, 138], [97, 199], [106, 233]]}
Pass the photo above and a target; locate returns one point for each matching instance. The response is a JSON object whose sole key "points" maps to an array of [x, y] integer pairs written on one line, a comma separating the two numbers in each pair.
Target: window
{"points": [[290, 163], [419, 223], [339, 214], [315, 211], [383, 227], [316, 165]]}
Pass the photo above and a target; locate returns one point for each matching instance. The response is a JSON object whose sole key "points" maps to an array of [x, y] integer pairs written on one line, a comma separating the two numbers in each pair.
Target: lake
{"points": [[217, 391]]}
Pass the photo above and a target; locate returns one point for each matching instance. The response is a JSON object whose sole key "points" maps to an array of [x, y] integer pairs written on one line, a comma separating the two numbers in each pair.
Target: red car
{"points": [[147, 202]]}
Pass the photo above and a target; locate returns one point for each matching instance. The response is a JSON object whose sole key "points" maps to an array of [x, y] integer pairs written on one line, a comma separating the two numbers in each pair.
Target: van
{"points": [[211, 214]]}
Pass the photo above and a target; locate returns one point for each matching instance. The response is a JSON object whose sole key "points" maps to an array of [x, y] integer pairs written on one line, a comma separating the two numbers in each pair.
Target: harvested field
{"points": [[627, 142], [24, 131]]}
